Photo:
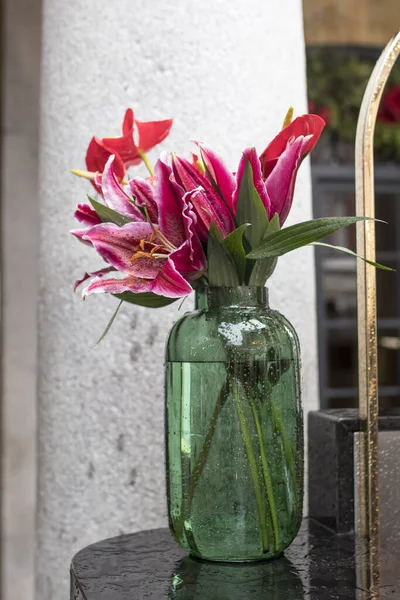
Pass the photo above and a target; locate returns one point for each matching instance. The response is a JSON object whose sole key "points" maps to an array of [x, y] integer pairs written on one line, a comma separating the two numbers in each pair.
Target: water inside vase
{"points": [[235, 457]]}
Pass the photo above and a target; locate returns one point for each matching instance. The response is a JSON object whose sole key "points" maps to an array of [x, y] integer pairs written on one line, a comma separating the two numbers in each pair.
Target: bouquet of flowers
{"points": [[233, 410], [192, 222]]}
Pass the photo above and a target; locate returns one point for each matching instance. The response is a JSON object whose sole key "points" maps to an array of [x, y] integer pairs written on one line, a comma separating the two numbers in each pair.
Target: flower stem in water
{"points": [[267, 477], [253, 467], [186, 503]]}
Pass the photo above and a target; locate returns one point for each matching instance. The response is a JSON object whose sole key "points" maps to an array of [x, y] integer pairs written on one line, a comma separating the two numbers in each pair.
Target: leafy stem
{"points": [[187, 500], [266, 476], [287, 451], [252, 464]]}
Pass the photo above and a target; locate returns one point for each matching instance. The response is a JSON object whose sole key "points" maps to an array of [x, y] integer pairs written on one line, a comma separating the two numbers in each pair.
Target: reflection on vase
{"points": [[200, 580]]}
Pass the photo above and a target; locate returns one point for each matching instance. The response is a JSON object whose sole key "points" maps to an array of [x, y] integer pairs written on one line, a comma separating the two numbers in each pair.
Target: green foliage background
{"points": [[337, 80]]}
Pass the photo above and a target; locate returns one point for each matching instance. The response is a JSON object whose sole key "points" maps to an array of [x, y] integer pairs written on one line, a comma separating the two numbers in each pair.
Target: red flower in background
{"points": [[127, 152], [322, 111], [389, 111]]}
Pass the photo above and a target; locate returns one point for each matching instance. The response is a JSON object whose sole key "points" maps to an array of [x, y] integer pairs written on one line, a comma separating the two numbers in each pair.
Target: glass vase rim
{"points": [[206, 288], [234, 296]]}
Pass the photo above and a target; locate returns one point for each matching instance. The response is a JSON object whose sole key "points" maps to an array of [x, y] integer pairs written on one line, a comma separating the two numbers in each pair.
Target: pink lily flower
{"points": [[274, 175], [88, 216], [157, 257], [143, 192], [208, 204], [86, 276], [115, 196], [219, 172]]}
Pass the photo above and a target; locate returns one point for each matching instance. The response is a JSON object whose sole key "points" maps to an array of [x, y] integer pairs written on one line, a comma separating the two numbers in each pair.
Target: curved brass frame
{"points": [[368, 509]]}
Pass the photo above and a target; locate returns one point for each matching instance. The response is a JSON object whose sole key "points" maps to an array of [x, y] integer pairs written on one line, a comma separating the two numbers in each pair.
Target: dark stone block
{"points": [[331, 464]]}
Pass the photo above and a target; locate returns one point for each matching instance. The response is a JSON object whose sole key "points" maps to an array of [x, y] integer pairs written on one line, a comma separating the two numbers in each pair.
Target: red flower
{"points": [[306, 125], [150, 134], [126, 152], [97, 156], [389, 111], [322, 111]]}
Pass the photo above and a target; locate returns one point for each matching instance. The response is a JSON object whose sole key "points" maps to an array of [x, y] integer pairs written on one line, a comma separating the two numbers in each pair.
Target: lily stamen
{"points": [[167, 244], [141, 254], [153, 250]]}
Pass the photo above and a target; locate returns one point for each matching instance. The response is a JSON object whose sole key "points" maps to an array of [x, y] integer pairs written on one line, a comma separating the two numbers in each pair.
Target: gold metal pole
{"points": [[368, 509]]}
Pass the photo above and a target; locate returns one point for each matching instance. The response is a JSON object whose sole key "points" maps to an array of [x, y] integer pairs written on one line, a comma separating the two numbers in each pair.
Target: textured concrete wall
{"points": [[227, 72]]}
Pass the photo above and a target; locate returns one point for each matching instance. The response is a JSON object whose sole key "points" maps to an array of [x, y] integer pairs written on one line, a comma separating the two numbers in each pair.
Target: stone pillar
{"points": [[226, 72]]}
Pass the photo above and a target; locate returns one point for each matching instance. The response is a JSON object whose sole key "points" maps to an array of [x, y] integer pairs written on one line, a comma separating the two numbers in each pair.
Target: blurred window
{"points": [[344, 40]]}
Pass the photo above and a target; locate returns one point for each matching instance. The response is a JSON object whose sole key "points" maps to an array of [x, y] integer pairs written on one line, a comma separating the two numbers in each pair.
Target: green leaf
{"points": [[348, 251], [250, 209], [108, 215], [221, 267], [234, 245], [264, 268], [273, 226], [301, 234], [107, 329], [147, 299]]}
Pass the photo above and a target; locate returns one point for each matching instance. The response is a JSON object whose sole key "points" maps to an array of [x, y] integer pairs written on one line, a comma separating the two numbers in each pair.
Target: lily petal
{"points": [[167, 283], [250, 155], [197, 256], [81, 234], [169, 197], [143, 192], [97, 156], [170, 283], [87, 215], [305, 125], [182, 258], [280, 183], [152, 133], [219, 171], [125, 146], [114, 196], [113, 285], [207, 203], [117, 245], [98, 273]]}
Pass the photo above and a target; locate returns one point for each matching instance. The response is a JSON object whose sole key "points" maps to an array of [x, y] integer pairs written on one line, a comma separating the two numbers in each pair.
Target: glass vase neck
{"points": [[240, 296]]}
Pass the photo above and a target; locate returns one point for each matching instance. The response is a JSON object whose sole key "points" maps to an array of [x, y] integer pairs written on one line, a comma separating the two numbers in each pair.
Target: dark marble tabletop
{"points": [[149, 565]]}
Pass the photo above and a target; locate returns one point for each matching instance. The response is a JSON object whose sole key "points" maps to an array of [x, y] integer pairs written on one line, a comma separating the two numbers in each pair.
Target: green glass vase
{"points": [[234, 427]]}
